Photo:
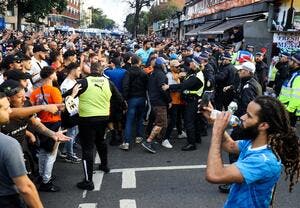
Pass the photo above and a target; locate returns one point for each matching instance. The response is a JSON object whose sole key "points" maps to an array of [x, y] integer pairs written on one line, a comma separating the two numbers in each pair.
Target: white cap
{"points": [[249, 66]]}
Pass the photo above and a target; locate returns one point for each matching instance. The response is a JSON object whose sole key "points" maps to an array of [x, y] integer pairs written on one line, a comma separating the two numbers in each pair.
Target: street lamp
{"points": [[179, 13]]}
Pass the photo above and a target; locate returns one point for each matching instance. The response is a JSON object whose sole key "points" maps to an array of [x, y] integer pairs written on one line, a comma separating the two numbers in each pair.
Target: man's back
{"points": [[261, 170], [11, 164]]}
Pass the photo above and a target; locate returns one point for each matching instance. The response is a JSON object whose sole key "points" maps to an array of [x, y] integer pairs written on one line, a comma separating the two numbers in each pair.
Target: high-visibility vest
{"points": [[198, 92], [286, 90], [95, 101], [294, 102]]}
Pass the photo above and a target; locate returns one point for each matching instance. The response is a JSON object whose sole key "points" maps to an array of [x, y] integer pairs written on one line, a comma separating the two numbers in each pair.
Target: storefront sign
{"points": [[287, 42], [206, 7]]}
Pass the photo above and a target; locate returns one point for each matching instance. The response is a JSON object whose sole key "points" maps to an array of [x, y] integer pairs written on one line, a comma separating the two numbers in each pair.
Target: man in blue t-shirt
{"points": [[258, 169], [145, 52]]}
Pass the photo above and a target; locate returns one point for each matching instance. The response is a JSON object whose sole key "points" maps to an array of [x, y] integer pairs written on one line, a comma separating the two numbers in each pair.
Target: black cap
{"points": [[227, 56], [10, 87], [39, 48], [16, 75], [259, 54]]}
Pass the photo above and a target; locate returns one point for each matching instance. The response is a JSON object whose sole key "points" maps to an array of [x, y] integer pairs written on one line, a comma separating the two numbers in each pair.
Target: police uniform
{"points": [[192, 89]]}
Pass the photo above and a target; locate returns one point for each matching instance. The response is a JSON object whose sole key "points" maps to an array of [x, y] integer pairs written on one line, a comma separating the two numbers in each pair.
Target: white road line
{"points": [[97, 159], [186, 167], [88, 205], [97, 179], [127, 203], [128, 179], [84, 194]]}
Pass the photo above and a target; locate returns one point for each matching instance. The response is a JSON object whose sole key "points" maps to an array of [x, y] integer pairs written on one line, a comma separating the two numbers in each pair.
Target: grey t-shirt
{"points": [[11, 164]]}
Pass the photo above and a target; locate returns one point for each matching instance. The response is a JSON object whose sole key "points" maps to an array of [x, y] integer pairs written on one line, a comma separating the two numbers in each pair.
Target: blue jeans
{"points": [[136, 109], [68, 146]]}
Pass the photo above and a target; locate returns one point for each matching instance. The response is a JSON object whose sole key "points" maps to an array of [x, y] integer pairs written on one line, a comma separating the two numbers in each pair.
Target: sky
{"points": [[116, 10]]}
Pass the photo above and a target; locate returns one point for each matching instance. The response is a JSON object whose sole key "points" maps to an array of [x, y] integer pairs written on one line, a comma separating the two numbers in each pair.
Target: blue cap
{"points": [[203, 56], [173, 56], [227, 56], [160, 61]]}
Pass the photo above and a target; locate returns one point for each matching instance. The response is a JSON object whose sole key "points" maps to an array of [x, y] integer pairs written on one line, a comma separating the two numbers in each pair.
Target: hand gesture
{"points": [[206, 112], [221, 123], [60, 137], [165, 87], [76, 89]]}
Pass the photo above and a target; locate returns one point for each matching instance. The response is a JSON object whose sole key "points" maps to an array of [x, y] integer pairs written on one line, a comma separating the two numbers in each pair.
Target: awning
{"points": [[221, 28], [202, 27]]}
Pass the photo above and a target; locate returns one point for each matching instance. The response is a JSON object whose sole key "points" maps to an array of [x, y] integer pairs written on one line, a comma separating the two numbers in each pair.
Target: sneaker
{"points": [[86, 185], [166, 143], [124, 146], [103, 168], [138, 140], [182, 135], [148, 146], [49, 187], [63, 155], [72, 159]]}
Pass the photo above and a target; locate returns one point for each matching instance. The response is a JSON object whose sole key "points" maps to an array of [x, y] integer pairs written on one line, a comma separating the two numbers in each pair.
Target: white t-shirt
{"points": [[36, 69], [66, 85]]}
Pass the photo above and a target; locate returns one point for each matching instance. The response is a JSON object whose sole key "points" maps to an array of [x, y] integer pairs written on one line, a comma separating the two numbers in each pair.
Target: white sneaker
{"points": [[182, 135], [138, 140], [124, 146], [167, 144]]}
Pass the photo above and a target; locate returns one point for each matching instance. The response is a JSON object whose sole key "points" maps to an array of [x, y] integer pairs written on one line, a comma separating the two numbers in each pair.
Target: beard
{"points": [[250, 132]]}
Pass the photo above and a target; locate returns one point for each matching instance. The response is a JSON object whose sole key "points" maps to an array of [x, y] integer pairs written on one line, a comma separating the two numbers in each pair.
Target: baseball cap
{"points": [[259, 54], [10, 87], [249, 66], [227, 56], [296, 58], [203, 56], [174, 63], [16, 75], [249, 46], [39, 48], [160, 61]]}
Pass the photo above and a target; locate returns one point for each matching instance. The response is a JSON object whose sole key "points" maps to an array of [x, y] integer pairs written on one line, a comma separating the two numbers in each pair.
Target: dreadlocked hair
{"points": [[282, 137]]}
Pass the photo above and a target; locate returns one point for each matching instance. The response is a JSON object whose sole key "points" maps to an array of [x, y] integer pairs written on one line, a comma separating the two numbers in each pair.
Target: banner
{"points": [[287, 42], [2, 23]]}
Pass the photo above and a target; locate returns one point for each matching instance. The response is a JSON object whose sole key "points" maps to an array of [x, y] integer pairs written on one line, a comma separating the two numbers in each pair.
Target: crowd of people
{"points": [[89, 88]]}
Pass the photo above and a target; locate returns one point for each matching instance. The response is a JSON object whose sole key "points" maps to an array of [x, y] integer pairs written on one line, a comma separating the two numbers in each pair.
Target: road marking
{"points": [[97, 179], [88, 205], [186, 167], [127, 203], [84, 194], [128, 179], [97, 159]]}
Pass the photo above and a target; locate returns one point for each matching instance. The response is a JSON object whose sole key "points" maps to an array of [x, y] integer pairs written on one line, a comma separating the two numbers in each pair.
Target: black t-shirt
{"points": [[16, 128]]}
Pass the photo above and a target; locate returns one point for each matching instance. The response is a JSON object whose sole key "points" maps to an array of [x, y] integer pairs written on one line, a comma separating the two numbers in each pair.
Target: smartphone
{"points": [[206, 97]]}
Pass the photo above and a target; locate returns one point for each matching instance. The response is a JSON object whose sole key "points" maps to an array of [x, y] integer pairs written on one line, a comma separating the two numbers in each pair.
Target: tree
{"points": [[100, 20], [137, 5], [143, 25], [162, 11], [34, 10]]}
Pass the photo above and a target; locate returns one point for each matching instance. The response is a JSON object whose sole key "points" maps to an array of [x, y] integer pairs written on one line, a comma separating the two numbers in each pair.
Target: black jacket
{"points": [[281, 75], [247, 92], [261, 74], [225, 76], [209, 76], [157, 96], [135, 83]]}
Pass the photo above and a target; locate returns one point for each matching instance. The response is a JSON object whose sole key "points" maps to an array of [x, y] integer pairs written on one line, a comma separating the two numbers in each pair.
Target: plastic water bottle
{"points": [[233, 122]]}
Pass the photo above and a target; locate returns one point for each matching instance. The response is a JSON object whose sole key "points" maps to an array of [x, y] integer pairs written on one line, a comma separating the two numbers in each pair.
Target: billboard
{"points": [[286, 16], [287, 42], [206, 7]]}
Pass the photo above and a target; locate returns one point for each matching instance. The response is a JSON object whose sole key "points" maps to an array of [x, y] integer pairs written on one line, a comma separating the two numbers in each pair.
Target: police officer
{"points": [[191, 89], [290, 94], [94, 92], [282, 72]]}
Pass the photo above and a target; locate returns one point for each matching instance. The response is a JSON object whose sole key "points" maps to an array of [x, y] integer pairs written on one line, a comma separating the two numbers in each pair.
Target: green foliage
{"points": [[143, 25], [162, 11], [100, 20]]}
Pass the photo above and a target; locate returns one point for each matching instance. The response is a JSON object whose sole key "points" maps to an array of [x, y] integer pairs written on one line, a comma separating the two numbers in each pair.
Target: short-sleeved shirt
{"points": [[261, 170], [144, 54], [11, 164], [52, 95]]}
